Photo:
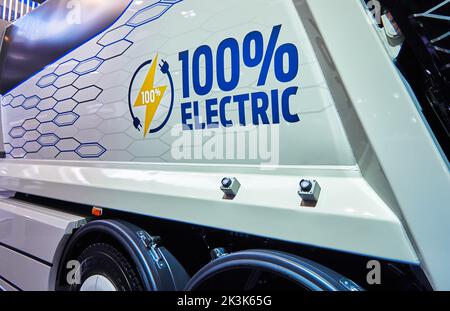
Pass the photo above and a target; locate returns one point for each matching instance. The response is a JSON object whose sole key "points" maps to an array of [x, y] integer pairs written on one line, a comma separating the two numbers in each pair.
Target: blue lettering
{"points": [[257, 38], [241, 99], [223, 119], [206, 52], [233, 46], [292, 52], [287, 115], [260, 111], [275, 107], [184, 58], [211, 112], [197, 118]]}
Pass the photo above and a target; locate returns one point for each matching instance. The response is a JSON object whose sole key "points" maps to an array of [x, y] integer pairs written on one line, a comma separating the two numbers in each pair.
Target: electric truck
{"points": [[168, 145]]}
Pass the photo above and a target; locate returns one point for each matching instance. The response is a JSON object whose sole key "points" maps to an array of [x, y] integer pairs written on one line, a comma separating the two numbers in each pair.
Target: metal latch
{"points": [[152, 243]]}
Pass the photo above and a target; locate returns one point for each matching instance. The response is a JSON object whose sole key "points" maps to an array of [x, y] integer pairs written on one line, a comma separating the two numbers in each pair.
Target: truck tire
{"points": [[104, 268], [268, 270], [117, 255]]}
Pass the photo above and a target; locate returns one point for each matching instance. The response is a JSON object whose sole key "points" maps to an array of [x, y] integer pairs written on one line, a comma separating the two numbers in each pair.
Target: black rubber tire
{"points": [[151, 269], [302, 273], [104, 259]]}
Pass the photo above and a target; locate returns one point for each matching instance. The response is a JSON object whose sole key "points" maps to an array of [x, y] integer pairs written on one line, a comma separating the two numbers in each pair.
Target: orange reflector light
{"points": [[97, 211]]}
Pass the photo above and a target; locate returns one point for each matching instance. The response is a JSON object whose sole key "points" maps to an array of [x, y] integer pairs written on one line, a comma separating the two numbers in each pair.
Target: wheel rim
{"points": [[98, 283]]}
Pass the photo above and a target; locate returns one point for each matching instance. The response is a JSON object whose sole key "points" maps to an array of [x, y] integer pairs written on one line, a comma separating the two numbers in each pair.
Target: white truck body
{"points": [[69, 134]]}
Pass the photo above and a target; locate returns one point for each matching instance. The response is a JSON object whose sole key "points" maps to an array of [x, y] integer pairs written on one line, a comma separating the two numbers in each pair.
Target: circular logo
{"points": [[151, 96]]}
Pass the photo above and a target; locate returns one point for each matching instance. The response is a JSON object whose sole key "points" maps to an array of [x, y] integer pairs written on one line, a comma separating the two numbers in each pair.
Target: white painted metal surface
{"points": [[24, 272], [409, 158], [349, 215], [33, 229]]}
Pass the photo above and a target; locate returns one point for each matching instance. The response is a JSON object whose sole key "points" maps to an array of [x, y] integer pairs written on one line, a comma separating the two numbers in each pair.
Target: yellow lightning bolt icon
{"points": [[150, 96]]}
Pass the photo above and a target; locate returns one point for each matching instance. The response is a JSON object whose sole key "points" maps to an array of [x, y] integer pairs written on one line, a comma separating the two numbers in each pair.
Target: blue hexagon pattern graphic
{"points": [[59, 97]]}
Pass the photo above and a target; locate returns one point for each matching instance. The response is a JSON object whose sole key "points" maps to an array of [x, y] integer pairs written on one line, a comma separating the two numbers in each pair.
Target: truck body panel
{"points": [[151, 113], [32, 238]]}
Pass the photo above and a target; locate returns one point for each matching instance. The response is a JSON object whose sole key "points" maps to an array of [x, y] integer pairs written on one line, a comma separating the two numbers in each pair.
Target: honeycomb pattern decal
{"points": [[102, 128], [67, 93]]}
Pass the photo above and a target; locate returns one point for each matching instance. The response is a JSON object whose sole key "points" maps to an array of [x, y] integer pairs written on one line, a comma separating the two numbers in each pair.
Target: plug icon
{"points": [[137, 123], [164, 67]]}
